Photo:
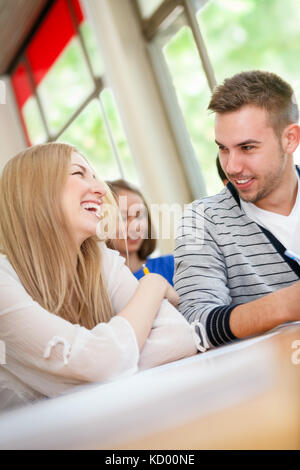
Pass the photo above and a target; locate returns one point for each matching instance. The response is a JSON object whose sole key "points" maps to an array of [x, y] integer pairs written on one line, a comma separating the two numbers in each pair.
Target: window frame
{"points": [[95, 94], [167, 16]]}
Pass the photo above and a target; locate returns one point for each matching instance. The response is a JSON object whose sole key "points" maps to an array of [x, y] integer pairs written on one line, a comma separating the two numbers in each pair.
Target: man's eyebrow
{"points": [[247, 142], [241, 144]]}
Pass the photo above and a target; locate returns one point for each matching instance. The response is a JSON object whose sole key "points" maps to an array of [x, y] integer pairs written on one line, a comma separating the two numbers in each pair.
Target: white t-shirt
{"points": [[47, 356], [286, 228]]}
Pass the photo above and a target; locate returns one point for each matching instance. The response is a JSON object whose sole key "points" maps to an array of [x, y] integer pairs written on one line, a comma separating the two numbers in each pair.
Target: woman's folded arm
{"points": [[43, 341]]}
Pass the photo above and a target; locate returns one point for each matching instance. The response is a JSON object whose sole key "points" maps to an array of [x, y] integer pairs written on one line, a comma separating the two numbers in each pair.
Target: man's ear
{"points": [[290, 138]]}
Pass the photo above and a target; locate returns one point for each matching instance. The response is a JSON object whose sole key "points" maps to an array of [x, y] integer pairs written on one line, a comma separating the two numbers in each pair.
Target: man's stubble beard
{"points": [[269, 186]]}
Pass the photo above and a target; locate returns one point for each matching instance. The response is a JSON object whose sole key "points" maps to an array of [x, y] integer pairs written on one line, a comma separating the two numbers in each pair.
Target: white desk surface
{"points": [[129, 413]]}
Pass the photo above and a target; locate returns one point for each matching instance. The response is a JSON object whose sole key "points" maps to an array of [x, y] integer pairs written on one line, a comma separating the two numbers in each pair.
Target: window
{"points": [[147, 7], [263, 35], [254, 35], [62, 91], [193, 95], [59, 88], [183, 76], [195, 44], [29, 113]]}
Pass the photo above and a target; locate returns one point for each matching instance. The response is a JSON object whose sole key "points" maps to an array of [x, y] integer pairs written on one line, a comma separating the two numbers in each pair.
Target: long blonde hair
{"points": [[37, 243]]}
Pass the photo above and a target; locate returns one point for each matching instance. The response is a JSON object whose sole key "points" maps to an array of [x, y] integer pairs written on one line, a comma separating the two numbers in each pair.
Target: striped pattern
{"points": [[222, 259]]}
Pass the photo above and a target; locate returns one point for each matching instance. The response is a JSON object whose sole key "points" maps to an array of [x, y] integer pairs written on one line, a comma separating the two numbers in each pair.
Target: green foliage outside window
{"points": [[253, 34], [88, 134], [193, 96], [239, 35], [65, 87]]}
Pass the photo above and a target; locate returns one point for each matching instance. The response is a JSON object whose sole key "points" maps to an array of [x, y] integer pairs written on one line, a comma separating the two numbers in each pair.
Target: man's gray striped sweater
{"points": [[222, 259]]}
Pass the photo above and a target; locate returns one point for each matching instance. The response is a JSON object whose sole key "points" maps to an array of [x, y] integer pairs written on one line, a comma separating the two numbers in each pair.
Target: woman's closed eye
{"points": [[78, 173]]}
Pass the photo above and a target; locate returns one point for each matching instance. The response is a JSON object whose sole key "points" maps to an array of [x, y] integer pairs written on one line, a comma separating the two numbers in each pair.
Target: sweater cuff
{"points": [[217, 326]]}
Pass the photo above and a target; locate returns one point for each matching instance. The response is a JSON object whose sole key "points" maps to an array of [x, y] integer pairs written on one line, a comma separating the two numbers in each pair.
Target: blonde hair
{"points": [[36, 241]]}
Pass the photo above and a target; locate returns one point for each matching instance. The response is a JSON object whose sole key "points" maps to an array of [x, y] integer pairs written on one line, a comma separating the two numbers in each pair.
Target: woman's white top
{"points": [[44, 355]]}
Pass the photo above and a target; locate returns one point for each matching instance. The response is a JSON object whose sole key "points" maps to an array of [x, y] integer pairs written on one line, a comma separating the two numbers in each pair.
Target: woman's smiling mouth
{"points": [[92, 206]]}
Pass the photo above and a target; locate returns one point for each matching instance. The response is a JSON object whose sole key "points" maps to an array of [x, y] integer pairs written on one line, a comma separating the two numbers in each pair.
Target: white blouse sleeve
{"points": [[44, 342], [171, 337]]}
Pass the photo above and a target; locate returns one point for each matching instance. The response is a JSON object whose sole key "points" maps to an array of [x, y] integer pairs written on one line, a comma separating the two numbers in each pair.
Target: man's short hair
{"points": [[258, 88]]}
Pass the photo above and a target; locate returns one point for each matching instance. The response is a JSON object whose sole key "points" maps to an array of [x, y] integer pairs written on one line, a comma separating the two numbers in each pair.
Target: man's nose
{"points": [[234, 164]]}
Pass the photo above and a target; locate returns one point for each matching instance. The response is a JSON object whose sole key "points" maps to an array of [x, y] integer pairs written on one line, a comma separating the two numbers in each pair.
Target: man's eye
{"points": [[248, 147]]}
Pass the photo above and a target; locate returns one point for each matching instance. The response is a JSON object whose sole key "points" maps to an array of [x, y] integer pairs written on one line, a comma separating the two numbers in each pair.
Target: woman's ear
{"points": [[290, 138]]}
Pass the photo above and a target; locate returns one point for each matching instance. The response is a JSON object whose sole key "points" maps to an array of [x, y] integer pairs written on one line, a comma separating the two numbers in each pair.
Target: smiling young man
{"points": [[232, 275]]}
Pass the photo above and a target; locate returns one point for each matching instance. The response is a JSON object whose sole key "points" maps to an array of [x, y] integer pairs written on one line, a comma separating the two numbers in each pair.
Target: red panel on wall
{"points": [[78, 11], [21, 85], [52, 37]]}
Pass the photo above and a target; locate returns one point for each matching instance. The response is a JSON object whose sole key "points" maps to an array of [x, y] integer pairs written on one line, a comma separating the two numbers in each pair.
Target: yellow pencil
{"points": [[145, 269]]}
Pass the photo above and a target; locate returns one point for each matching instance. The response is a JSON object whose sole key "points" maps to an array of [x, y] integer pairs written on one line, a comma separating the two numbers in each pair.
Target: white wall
{"points": [[130, 75], [131, 78], [12, 139]]}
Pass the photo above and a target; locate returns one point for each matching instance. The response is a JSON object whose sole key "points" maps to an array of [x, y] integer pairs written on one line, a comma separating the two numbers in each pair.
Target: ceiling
{"points": [[17, 18]]}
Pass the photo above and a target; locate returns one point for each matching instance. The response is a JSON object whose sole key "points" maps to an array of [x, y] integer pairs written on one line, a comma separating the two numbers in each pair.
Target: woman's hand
{"points": [[172, 295], [143, 307], [159, 282]]}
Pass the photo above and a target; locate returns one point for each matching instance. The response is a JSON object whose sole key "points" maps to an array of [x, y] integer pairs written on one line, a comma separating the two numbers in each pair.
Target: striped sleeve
{"points": [[201, 278]]}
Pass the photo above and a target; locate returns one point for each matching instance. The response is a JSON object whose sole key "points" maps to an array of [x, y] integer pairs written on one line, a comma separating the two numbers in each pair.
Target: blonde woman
{"points": [[71, 312]]}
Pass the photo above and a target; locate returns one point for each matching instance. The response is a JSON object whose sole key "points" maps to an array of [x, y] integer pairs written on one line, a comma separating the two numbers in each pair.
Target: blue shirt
{"points": [[163, 265]]}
